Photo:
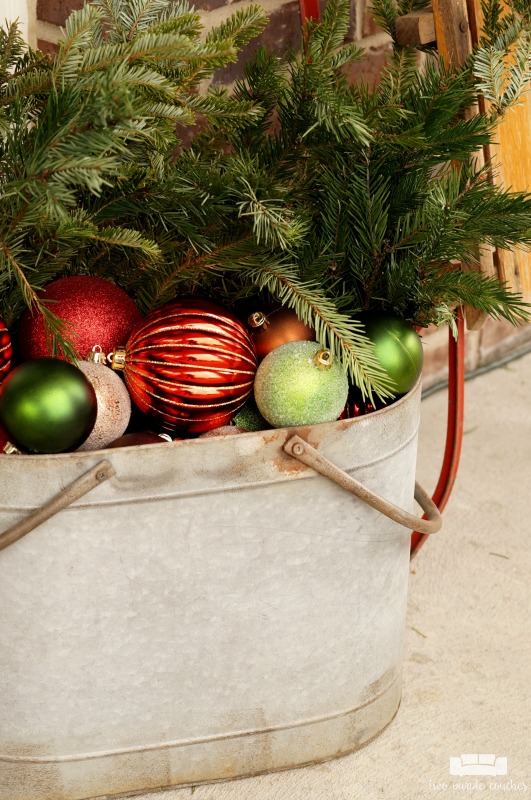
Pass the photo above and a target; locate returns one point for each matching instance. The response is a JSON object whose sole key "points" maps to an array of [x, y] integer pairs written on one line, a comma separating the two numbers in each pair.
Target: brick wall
{"points": [[282, 33], [496, 339]]}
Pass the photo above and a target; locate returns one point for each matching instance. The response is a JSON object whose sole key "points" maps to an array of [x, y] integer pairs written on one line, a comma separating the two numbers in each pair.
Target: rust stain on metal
{"points": [[227, 769], [269, 437], [380, 685], [287, 465], [345, 424], [283, 463]]}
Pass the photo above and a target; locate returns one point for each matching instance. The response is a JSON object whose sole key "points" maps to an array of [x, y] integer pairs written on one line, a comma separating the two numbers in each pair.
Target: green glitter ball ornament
{"points": [[249, 418], [397, 347], [47, 406], [299, 383]]}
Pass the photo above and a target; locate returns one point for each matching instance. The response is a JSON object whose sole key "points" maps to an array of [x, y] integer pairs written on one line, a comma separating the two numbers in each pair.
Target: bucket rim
{"points": [[214, 439]]}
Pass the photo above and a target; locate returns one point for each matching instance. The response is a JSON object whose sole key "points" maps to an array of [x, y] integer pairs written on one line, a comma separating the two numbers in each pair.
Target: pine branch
{"points": [[240, 27], [328, 197], [398, 75], [221, 109], [519, 72], [122, 237], [89, 135], [479, 291], [340, 333], [26, 84], [12, 50], [324, 40], [141, 15], [384, 13], [79, 32], [177, 18], [272, 225]]}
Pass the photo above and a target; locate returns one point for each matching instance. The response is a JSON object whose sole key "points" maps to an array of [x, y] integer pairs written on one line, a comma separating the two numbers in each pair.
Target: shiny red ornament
{"points": [[96, 312], [356, 406], [276, 326], [5, 438], [189, 365], [141, 437], [6, 350]]}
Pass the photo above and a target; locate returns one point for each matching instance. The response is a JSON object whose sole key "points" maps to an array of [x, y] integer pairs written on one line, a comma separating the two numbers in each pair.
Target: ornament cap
{"points": [[9, 449], [96, 355], [257, 319], [323, 359], [117, 358]]}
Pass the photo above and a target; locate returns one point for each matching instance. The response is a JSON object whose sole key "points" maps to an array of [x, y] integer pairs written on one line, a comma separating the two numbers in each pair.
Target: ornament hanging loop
{"points": [[323, 359], [257, 320], [117, 358], [96, 355]]}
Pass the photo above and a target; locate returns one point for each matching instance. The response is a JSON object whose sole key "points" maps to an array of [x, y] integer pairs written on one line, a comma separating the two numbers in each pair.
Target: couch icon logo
{"points": [[478, 764]]}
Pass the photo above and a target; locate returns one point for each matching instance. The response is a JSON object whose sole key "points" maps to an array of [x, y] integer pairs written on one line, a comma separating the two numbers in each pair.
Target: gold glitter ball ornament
{"points": [[114, 402]]}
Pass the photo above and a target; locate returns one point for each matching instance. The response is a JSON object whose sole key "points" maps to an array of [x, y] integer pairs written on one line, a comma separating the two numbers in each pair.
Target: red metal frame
{"points": [[309, 9], [454, 426]]}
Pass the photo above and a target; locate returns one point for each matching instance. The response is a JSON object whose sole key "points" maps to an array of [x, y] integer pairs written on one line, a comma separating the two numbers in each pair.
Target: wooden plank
{"points": [[457, 26], [510, 155], [454, 43], [452, 30], [415, 28], [487, 257], [512, 152]]}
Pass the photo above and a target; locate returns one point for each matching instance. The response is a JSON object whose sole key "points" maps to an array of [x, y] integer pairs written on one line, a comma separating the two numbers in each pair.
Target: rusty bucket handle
{"points": [[98, 474], [304, 452]]}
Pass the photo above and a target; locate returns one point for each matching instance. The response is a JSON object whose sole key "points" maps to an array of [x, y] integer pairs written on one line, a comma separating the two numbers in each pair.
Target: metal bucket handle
{"points": [[304, 452], [98, 474], [295, 447]]}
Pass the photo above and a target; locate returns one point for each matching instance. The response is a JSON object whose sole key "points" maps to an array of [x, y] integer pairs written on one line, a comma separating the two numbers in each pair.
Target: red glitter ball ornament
{"points": [[96, 312], [6, 350], [189, 365]]}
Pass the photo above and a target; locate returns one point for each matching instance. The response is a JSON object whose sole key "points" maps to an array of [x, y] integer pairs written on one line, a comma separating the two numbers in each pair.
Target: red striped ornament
{"points": [[6, 350], [189, 365]]}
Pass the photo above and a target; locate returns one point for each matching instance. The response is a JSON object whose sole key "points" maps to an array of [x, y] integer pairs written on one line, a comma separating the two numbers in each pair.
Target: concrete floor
{"points": [[468, 656]]}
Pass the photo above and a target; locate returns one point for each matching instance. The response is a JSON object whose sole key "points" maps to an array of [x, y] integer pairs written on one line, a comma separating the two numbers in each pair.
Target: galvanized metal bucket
{"points": [[213, 608]]}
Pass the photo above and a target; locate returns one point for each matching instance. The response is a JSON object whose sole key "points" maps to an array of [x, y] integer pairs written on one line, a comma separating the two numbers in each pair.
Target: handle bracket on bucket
{"points": [[98, 474], [304, 452]]}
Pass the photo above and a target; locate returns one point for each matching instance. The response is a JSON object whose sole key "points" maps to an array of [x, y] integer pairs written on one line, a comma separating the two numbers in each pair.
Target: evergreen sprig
{"points": [[94, 127], [394, 206], [331, 198]]}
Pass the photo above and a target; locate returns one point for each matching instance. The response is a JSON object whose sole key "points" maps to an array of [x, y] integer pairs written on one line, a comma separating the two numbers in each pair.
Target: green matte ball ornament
{"points": [[398, 349], [299, 383], [47, 406]]}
